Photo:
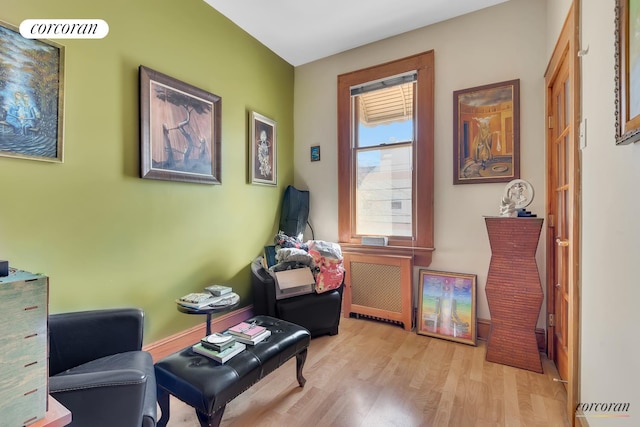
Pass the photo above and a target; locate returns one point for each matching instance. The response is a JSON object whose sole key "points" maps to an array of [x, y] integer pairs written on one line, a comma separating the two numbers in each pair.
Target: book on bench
{"points": [[256, 339], [220, 356], [218, 341], [246, 330]]}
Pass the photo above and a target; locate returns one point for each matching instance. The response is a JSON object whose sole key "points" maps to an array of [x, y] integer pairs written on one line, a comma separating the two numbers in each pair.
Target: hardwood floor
{"points": [[376, 374]]}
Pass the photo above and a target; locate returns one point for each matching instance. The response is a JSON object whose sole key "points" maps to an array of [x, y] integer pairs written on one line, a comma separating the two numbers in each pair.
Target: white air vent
{"points": [[375, 241]]}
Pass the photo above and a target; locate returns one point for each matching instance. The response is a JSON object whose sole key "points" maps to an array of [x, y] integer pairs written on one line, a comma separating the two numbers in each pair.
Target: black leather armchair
{"points": [[318, 313], [97, 368]]}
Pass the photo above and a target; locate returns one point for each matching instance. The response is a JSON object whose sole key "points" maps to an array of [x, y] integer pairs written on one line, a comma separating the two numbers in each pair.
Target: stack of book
{"points": [[218, 290], [249, 333], [218, 342], [202, 300], [196, 300], [219, 347], [223, 346]]}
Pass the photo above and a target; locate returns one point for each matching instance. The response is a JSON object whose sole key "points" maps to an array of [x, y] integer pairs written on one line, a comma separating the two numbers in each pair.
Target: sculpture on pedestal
{"points": [[517, 195]]}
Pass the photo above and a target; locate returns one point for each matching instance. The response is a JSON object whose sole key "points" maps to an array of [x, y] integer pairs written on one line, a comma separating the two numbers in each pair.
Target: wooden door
{"points": [[560, 219], [563, 209]]}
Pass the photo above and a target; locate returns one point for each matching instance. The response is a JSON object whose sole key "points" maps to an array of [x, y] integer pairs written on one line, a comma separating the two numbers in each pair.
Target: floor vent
{"points": [[377, 319]]}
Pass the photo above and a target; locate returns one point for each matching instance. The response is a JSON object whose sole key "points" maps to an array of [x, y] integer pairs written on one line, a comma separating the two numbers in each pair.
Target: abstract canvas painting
{"points": [[447, 307]]}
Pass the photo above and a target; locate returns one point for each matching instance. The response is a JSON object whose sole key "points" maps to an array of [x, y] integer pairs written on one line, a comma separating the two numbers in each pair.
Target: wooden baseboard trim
{"points": [[579, 419], [173, 343], [176, 342], [484, 325]]}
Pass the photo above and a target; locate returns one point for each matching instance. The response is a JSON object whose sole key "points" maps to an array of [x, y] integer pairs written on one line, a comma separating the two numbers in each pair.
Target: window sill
{"points": [[421, 256]]}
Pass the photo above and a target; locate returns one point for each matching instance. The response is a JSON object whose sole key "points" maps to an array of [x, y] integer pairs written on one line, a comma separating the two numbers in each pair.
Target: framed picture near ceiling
{"points": [[628, 71], [179, 130], [447, 306], [486, 133], [263, 150], [31, 94]]}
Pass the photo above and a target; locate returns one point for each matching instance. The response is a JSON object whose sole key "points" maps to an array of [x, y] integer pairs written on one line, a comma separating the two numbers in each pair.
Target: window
{"points": [[385, 156], [382, 140]]}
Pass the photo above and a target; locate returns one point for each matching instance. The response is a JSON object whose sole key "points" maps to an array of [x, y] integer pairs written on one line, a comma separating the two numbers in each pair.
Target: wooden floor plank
{"points": [[511, 407], [377, 374]]}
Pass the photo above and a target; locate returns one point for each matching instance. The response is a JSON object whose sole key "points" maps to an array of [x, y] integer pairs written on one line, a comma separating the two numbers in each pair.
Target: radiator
{"points": [[379, 287]]}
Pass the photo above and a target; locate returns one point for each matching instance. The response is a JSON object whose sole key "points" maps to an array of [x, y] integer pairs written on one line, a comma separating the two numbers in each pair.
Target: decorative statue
{"points": [[518, 194], [508, 207]]}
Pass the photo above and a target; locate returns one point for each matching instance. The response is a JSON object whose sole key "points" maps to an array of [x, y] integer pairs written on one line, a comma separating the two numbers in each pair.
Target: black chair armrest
{"points": [[79, 337], [264, 291], [102, 399]]}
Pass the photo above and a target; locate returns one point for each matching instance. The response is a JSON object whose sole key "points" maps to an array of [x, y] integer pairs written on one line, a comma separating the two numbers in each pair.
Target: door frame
{"points": [[567, 44]]}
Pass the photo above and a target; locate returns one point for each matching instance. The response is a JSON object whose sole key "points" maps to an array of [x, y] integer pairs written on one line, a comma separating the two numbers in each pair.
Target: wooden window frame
{"points": [[421, 247]]}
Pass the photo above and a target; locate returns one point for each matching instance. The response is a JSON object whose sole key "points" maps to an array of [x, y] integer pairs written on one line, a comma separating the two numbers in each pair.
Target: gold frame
{"points": [[486, 133], [39, 137], [627, 125], [263, 154], [456, 287]]}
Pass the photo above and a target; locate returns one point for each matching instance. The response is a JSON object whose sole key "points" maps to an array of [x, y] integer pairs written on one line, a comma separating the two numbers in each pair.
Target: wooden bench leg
{"points": [[163, 402], [210, 421], [300, 359]]}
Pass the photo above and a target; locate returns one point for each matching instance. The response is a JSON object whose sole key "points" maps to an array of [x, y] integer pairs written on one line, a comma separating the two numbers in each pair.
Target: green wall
{"points": [[107, 238]]}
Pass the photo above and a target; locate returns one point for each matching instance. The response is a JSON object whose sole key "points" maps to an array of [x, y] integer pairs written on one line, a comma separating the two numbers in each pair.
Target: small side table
{"points": [[211, 310]]}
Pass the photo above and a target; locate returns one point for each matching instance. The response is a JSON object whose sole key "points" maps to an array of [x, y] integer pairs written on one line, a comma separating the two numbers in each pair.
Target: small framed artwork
{"points": [[263, 151], [315, 153], [31, 93], [447, 306], [179, 130], [628, 71], [486, 133]]}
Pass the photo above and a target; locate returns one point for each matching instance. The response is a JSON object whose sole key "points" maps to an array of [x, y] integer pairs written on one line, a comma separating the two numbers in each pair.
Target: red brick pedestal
{"points": [[514, 293]]}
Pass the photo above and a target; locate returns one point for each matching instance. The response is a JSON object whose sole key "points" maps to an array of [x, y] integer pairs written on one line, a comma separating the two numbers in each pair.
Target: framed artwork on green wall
{"points": [[179, 130], [263, 150], [31, 94]]}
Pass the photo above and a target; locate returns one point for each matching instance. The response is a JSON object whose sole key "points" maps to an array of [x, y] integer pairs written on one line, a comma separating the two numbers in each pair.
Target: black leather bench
{"points": [[208, 386]]}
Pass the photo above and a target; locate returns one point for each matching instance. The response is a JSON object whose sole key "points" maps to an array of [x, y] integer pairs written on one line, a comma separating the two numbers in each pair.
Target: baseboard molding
{"points": [[484, 325], [580, 419], [176, 342], [173, 343]]}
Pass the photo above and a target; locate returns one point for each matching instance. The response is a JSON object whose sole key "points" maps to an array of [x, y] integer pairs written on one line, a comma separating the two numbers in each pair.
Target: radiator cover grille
{"points": [[376, 285], [379, 287]]}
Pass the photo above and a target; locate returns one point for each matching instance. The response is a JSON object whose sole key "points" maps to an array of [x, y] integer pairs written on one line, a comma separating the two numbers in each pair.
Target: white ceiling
{"points": [[302, 31]]}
